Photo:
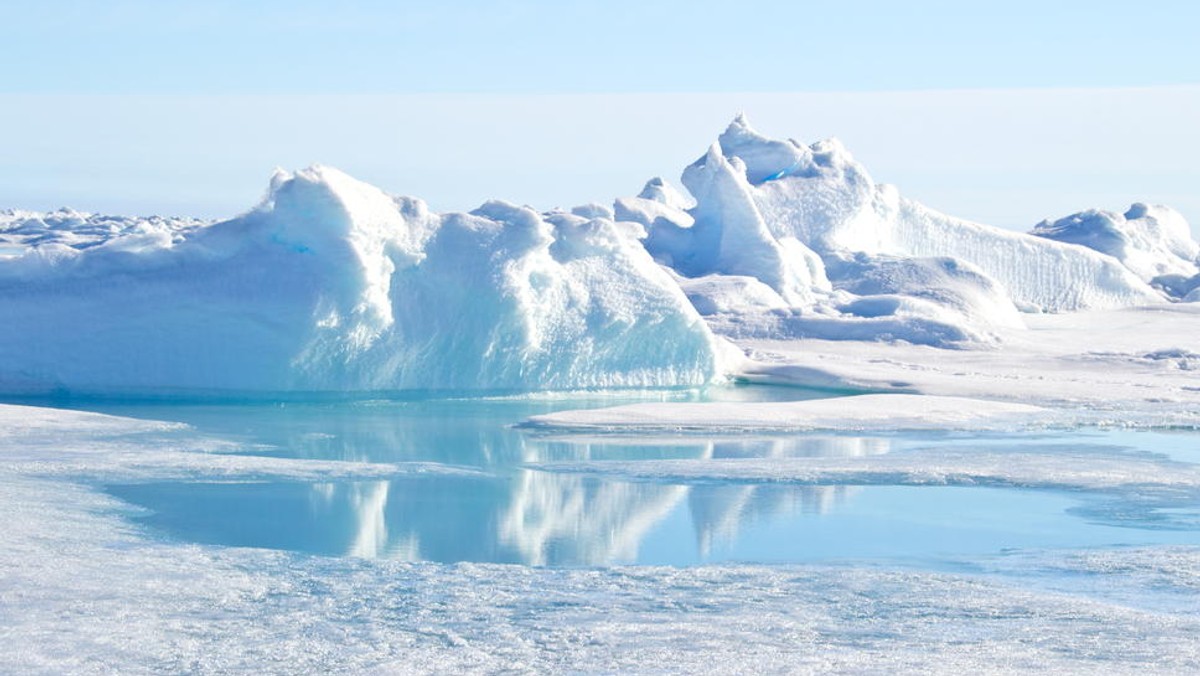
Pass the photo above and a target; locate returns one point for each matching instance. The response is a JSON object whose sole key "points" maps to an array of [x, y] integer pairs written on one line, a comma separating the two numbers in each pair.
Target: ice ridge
{"points": [[330, 284]]}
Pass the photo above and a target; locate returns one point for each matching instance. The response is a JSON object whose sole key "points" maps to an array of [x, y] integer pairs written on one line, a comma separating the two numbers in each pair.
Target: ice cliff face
{"points": [[333, 285]]}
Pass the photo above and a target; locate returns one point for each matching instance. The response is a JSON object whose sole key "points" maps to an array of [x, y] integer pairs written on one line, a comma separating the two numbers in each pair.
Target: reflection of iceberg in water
{"points": [[370, 501], [562, 519], [366, 508], [719, 512], [543, 518], [557, 519]]}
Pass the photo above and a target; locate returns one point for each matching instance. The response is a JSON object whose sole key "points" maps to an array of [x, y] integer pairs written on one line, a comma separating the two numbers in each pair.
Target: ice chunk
{"points": [[331, 284], [844, 258], [730, 237], [658, 190]]}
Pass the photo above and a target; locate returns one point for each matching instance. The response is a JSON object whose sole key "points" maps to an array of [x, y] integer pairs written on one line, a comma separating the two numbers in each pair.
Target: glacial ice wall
{"points": [[331, 284]]}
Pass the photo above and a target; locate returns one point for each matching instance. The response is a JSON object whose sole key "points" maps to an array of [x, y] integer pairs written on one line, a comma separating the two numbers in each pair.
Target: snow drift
{"points": [[331, 284]]}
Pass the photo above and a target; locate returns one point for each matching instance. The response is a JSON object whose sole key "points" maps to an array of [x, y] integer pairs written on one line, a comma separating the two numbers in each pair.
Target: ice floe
{"points": [[1063, 469], [863, 412]]}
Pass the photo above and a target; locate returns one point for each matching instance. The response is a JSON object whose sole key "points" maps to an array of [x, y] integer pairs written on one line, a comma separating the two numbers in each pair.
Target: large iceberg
{"points": [[331, 284], [817, 249]]}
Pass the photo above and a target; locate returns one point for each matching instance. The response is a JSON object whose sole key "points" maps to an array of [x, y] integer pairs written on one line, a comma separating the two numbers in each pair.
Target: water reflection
{"points": [[509, 513], [512, 514]]}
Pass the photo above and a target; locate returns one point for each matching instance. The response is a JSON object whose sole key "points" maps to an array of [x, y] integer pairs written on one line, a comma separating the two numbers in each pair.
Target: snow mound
{"points": [[953, 286], [1154, 242], [331, 284]]}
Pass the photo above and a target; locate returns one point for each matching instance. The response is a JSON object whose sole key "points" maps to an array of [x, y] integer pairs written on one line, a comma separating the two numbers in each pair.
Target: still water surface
{"points": [[513, 514]]}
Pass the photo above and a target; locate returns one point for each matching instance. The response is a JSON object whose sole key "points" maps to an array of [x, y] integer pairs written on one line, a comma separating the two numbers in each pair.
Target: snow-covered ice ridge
{"points": [[332, 285]]}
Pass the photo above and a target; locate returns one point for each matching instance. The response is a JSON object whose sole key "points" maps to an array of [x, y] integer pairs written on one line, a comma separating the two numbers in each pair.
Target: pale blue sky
{"points": [[1005, 112], [306, 46]]}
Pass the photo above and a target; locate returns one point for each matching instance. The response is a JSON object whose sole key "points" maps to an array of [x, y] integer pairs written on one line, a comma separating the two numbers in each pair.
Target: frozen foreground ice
{"points": [[86, 592]]}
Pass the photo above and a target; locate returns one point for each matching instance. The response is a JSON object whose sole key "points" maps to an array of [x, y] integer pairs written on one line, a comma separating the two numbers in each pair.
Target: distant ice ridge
{"points": [[1154, 242], [331, 284], [788, 240], [20, 229]]}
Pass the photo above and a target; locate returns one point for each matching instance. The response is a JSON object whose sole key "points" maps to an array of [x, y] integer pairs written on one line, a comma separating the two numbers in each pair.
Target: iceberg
{"points": [[332, 285], [838, 256]]}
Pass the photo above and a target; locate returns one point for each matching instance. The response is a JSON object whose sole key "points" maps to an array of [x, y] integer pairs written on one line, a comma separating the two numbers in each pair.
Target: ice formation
{"points": [[813, 247], [1154, 242], [331, 284]]}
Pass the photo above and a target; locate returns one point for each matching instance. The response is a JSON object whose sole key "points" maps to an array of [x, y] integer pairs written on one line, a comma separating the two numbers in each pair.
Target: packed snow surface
{"points": [[1134, 366], [938, 467], [332, 285]]}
